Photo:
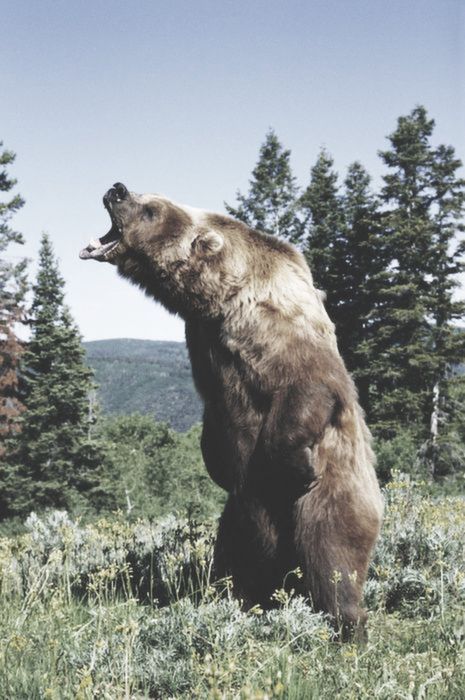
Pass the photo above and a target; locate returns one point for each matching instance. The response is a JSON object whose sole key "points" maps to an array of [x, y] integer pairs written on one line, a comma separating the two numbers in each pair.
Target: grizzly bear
{"points": [[283, 433]]}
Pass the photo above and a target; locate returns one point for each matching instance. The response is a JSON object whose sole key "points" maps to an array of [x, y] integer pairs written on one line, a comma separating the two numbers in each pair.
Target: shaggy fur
{"points": [[283, 433]]}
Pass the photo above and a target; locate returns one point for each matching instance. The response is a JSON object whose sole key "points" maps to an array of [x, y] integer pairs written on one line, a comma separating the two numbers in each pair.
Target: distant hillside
{"points": [[145, 376]]}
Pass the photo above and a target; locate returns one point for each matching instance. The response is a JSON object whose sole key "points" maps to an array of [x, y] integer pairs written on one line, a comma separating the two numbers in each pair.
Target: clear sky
{"points": [[176, 96]]}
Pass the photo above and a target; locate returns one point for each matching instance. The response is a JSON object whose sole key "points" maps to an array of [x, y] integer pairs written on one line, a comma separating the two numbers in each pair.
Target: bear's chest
{"points": [[219, 374], [213, 366]]}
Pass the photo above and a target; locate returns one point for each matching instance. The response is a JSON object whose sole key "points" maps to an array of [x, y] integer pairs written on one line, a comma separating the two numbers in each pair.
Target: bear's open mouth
{"points": [[100, 248]]}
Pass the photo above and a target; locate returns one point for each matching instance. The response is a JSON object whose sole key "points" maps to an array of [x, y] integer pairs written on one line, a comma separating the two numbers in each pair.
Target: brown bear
{"points": [[283, 433]]}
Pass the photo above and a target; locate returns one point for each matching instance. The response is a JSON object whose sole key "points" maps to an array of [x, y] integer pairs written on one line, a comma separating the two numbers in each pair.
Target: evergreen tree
{"points": [[60, 460], [400, 350], [271, 205], [443, 451], [414, 345], [12, 292], [361, 264], [323, 221]]}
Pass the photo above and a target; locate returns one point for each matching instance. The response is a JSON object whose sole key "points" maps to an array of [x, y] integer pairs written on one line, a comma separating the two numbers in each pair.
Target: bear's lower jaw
{"points": [[98, 251]]}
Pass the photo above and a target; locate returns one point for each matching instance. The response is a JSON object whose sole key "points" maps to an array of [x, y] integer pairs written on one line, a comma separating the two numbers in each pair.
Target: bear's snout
{"points": [[116, 193]]}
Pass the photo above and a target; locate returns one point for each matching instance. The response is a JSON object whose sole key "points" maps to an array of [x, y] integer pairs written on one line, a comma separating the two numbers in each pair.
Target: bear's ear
{"points": [[208, 243]]}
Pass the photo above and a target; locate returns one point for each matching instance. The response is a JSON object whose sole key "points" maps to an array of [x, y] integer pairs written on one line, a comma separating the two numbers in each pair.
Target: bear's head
{"points": [[201, 264], [150, 223], [176, 253]]}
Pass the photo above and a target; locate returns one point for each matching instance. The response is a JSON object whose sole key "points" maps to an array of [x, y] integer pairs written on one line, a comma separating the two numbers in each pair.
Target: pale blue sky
{"points": [[176, 97]]}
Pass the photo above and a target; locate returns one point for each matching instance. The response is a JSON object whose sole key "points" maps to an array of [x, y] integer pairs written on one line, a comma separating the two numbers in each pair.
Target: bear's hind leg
{"points": [[334, 545]]}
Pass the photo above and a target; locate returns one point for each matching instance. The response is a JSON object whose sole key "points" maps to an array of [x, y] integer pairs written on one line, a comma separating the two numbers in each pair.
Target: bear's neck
{"points": [[178, 287]]}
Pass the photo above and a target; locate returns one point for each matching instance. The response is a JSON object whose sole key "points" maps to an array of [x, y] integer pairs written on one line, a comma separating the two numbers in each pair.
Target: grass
{"points": [[126, 610]]}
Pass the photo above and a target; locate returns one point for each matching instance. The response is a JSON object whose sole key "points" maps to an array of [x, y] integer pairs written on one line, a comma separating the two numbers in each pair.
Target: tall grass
{"points": [[117, 610]]}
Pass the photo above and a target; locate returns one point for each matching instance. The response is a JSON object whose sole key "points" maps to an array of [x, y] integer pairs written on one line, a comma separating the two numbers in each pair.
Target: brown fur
{"points": [[283, 432]]}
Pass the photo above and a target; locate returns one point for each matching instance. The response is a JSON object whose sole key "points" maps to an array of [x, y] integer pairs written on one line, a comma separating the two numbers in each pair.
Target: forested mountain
{"points": [[145, 376]]}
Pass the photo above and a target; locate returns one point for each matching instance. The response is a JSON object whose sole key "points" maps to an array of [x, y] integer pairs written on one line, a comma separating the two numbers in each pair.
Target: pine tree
{"points": [[361, 264], [271, 205], [443, 451], [323, 221], [415, 343], [401, 349], [12, 311], [12, 292], [60, 460]]}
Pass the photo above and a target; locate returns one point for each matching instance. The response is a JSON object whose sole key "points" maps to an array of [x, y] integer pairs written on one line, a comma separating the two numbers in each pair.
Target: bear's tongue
{"points": [[98, 248]]}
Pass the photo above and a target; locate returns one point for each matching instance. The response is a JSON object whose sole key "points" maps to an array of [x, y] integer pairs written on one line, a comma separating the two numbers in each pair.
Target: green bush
{"points": [[396, 454], [157, 471]]}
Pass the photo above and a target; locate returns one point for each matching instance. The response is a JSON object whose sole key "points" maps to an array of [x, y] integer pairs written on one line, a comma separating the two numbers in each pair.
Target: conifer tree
{"points": [[443, 451], [12, 311], [415, 345], [271, 204], [12, 292], [361, 264], [60, 460], [323, 221], [401, 352]]}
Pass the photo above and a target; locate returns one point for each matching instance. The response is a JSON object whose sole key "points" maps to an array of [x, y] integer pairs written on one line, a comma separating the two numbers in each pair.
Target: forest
{"points": [[107, 518]]}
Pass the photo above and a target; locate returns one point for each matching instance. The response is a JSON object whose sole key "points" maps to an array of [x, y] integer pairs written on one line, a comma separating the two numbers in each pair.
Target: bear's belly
{"points": [[229, 439]]}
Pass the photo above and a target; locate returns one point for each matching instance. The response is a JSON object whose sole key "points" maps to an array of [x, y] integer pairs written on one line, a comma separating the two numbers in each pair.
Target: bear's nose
{"points": [[121, 190], [115, 194]]}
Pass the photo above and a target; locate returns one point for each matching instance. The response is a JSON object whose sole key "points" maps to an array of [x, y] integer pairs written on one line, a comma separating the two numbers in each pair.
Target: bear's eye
{"points": [[148, 212]]}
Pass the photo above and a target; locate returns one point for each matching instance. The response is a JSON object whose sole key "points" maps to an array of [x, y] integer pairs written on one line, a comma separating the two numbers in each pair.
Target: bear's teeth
{"points": [[95, 243]]}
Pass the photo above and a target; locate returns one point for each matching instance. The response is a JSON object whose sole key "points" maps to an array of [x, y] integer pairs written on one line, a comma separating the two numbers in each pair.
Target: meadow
{"points": [[117, 609]]}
